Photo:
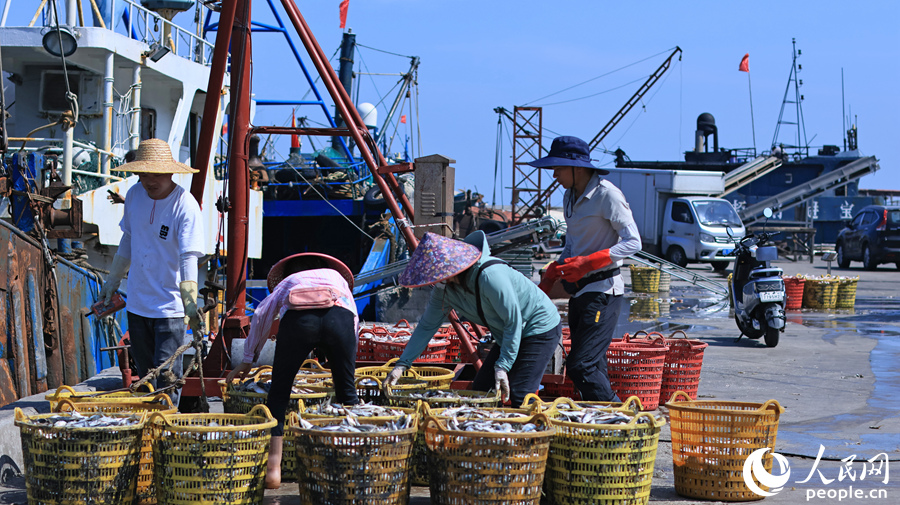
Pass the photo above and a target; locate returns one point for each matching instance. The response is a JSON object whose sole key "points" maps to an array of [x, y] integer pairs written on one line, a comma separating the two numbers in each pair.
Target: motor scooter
{"points": [[757, 289]]}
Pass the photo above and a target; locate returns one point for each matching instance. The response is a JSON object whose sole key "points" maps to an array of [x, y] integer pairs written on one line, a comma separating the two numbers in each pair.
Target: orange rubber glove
{"points": [[576, 267], [550, 276]]}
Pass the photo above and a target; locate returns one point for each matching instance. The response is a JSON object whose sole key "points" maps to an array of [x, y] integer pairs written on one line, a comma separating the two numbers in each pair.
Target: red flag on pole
{"points": [[344, 5], [403, 119], [745, 63], [295, 140]]}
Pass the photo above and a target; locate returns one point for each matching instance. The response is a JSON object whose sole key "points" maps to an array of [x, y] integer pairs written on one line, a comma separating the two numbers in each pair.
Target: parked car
{"points": [[872, 236]]}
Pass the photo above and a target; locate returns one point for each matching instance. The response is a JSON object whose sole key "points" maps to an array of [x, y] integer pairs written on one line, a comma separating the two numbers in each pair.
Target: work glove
{"points": [[576, 267], [191, 312], [501, 383], [393, 377], [551, 274], [239, 371], [116, 273]]}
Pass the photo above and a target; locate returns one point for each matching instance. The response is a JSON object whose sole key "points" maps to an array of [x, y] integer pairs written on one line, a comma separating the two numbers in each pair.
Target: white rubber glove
{"points": [[116, 273], [394, 376], [189, 299], [501, 383]]}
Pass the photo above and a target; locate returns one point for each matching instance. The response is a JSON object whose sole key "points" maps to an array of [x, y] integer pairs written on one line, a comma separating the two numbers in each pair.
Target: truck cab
{"points": [[696, 230]]}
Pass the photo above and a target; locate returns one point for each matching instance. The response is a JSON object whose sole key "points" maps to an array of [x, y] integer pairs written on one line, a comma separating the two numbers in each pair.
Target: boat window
{"points": [[716, 213], [681, 213]]}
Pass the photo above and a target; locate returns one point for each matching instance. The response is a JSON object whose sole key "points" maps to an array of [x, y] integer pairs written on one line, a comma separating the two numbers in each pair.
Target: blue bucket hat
{"points": [[568, 152]]}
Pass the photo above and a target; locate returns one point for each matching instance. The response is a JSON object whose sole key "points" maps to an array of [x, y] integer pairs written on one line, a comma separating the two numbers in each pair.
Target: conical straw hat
{"points": [[436, 259], [154, 157]]}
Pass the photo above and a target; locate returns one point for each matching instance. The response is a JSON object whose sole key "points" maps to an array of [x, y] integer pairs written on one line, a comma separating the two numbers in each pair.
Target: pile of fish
{"points": [[476, 413], [263, 385], [493, 426], [351, 424], [359, 410], [438, 394], [77, 420], [596, 416]]}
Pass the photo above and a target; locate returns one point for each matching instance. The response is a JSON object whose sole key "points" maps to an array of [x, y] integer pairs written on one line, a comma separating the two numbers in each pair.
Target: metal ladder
{"points": [[701, 281]]}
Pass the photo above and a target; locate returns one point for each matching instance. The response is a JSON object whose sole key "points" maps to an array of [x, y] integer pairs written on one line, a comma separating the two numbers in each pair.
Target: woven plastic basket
{"points": [[211, 458], [636, 368], [145, 492], [98, 396], [358, 468], [644, 309], [631, 405], [465, 397], [846, 292], [665, 281], [820, 292], [436, 377], [603, 464], [242, 402], [684, 361], [711, 441], [79, 465], [793, 287], [371, 389], [644, 279], [481, 468]]}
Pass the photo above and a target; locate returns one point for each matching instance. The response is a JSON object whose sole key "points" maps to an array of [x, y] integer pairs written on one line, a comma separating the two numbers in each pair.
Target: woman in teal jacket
{"points": [[523, 321]]}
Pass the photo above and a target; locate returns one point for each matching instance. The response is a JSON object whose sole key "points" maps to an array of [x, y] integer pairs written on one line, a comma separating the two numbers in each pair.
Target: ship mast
{"points": [[801, 144]]}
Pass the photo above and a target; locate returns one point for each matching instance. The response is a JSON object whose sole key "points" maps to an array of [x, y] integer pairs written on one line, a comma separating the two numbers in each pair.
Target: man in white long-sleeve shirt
{"points": [[162, 238], [600, 233]]}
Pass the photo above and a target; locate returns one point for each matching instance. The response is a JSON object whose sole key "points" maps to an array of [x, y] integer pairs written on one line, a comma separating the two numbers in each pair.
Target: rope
{"points": [[165, 369]]}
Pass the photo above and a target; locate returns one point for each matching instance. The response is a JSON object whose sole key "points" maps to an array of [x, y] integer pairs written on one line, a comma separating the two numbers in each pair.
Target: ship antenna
{"points": [[802, 144]]}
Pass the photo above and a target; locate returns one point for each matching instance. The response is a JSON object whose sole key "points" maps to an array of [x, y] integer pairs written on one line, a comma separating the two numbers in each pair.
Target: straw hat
{"points": [[154, 157], [436, 259], [276, 273]]}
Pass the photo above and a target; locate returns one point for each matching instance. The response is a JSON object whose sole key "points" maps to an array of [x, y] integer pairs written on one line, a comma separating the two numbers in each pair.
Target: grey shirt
{"points": [[600, 219]]}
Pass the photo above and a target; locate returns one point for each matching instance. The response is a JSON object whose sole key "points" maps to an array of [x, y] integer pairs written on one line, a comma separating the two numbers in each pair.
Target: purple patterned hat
{"points": [[436, 259]]}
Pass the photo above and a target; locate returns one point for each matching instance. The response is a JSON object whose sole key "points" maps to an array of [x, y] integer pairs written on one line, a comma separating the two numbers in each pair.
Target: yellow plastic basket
{"points": [[480, 468], [436, 377], [79, 465], [242, 402], [665, 281], [146, 493], [820, 292], [711, 441], [631, 405], [466, 397], [644, 279], [603, 464], [98, 396], [846, 292], [211, 458], [353, 468]]}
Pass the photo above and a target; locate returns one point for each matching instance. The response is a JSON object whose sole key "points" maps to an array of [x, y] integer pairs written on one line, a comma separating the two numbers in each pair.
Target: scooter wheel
{"points": [[772, 335]]}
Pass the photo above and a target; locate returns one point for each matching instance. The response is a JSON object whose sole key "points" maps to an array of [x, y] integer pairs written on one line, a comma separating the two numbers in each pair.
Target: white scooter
{"points": [[757, 294]]}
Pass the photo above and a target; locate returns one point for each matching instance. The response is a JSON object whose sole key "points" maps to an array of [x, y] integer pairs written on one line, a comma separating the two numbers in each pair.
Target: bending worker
{"points": [[312, 294], [600, 233], [524, 322], [162, 238]]}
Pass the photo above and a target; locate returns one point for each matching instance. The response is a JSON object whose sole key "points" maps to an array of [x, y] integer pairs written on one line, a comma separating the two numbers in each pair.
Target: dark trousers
{"points": [[153, 341], [535, 352], [592, 321], [301, 331]]}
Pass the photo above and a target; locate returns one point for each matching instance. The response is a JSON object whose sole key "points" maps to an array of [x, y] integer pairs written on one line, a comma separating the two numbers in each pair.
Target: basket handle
{"points": [[158, 417], [403, 323], [292, 418], [679, 395], [380, 330], [65, 405], [260, 370], [367, 377], [633, 403], [65, 389], [164, 399], [20, 416], [771, 405], [676, 332], [261, 411], [424, 408], [531, 399], [432, 420], [541, 419], [313, 365], [568, 401], [223, 387], [390, 362], [653, 420], [401, 333]]}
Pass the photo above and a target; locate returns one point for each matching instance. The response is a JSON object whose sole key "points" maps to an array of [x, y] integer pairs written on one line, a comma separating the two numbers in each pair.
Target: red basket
{"points": [[793, 287], [559, 386], [436, 352], [683, 363], [636, 369]]}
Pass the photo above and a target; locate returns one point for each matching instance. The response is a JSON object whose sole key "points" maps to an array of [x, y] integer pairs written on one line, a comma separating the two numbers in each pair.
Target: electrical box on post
{"points": [[435, 179]]}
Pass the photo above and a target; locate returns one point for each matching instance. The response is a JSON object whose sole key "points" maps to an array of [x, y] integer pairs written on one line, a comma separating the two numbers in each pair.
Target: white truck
{"points": [[677, 218]]}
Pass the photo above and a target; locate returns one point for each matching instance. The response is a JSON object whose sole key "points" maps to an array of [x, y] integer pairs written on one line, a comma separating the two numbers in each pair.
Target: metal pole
{"points": [[71, 13], [107, 112], [67, 156], [206, 142], [136, 107]]}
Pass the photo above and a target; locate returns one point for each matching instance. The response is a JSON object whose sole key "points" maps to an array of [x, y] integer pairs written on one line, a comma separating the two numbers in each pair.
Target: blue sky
{"points": [[480, 55]]}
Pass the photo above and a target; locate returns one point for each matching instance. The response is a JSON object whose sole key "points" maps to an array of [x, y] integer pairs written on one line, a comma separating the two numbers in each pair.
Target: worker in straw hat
{"points": [[312, 294], [162, 238], [600, 233], [486, 291]]}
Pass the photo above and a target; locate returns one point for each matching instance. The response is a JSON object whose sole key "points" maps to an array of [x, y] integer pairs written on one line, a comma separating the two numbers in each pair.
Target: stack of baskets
{"points": [[711, 441], [487, 467], [644, 279], [793, 288], [636, 368], [684, 361], [820, 292]]}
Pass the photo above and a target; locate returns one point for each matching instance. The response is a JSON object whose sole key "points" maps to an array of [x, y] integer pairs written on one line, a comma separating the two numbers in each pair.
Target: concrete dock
{"points": [[834, 371]]}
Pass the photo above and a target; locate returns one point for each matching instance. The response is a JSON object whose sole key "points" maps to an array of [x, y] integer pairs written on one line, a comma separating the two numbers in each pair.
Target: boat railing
{"points": [[140, 23], [57, 144]]}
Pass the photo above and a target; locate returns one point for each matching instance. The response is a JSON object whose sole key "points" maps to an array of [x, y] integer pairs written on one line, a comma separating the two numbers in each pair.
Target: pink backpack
{"points": [[312, 298]]}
